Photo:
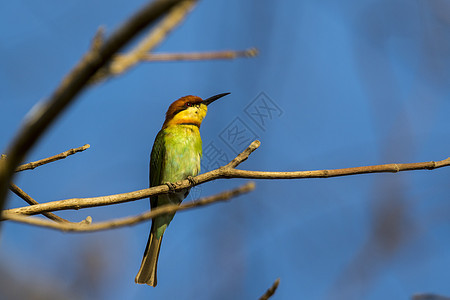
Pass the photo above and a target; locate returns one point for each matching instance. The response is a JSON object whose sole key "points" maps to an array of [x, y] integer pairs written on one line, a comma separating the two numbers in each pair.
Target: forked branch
{"points": [[129, 220], [35, 164], [27, 198], [228, 171], [44, 113], [154, 37]]}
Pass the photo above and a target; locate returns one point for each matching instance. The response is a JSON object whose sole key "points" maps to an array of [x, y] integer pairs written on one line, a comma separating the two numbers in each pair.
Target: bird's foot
{"points": [[171, 187], [192, 180]]}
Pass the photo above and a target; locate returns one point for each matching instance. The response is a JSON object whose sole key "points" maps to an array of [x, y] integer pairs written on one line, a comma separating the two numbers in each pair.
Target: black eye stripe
{"points": [[190, 104]]}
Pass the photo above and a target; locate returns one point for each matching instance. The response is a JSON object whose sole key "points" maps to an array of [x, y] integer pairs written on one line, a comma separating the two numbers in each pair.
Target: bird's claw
{"points": [[171, 187], [192, 180]]}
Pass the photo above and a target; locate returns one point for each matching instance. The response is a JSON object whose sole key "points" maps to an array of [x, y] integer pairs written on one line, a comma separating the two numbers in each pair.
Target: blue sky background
{"points": [[356, 83]]}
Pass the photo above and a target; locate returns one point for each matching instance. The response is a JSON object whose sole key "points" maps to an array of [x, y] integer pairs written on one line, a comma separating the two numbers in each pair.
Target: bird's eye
{"points": [[188, 104]]}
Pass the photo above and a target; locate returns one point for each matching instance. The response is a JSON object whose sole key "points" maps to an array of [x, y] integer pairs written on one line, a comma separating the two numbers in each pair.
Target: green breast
{"points": [[175, 155], [179, 155]]}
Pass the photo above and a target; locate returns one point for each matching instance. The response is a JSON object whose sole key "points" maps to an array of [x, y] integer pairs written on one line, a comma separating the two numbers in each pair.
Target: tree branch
{"points": [[129, 220], [155, 36], [269, 293], [387, 168], [226, 54], [27, 198], [78, 203], [35, 164], [241, 157], [43, 114], [19, 192], [228, 171], [429, 296]]}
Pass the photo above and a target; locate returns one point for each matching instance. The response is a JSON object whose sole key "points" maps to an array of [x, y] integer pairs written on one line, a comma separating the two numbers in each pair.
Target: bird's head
{"points": [[189, 110]]}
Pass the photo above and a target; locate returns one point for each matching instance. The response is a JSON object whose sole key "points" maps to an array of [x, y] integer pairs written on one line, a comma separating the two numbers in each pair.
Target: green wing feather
{"points": [[147, 272], [157, 160]]}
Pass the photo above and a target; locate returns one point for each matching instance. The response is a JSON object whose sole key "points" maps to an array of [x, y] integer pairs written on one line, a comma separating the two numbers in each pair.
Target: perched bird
{"points": [[175, 156]]}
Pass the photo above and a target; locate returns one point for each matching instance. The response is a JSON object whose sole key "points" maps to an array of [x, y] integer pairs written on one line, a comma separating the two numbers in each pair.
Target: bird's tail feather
{"points": [[147, 272]]}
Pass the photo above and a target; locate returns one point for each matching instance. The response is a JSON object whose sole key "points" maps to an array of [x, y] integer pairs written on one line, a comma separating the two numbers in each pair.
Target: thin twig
{"points": [[27, 198], [429, 296], [44, 114], [227, 171], [130, 220], [19, 192], [226, 54], [387, 168], [241, 157], [34, 164], [154, 37], [269, 293], [98, 39]]}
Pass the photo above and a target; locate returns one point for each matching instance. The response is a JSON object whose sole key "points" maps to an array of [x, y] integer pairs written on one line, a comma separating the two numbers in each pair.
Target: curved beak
{"points": [[214, 98]]}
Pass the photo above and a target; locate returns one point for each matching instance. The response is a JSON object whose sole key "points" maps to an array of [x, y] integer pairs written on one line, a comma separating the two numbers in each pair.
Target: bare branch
{"points": [[387, 168], [34, 164], [130, 220], [269, 293], [98, 39], [226, 54], [78, 203], [243, 155], [43, 114], [227, 171], [155, 36], [19, 192], [429, 296]]}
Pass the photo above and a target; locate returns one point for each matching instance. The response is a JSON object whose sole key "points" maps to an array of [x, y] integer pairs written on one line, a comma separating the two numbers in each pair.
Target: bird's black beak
{"points": [[214, 98]]}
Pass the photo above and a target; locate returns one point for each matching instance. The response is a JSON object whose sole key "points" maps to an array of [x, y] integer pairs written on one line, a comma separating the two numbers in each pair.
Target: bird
{"points": [[176, 155]]}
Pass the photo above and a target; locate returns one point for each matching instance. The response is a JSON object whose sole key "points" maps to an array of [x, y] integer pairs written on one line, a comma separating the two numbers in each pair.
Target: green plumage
{"points": [[175, 156]]}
